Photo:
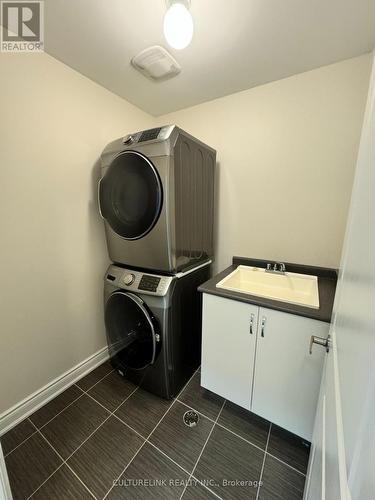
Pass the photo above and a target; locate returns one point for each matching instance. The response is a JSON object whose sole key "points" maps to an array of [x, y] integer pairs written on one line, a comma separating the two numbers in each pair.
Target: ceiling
{"points": [[237, 44]]}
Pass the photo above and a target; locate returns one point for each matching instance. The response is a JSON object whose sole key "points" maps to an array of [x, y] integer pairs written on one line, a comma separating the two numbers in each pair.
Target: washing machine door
{"points": [[131, 195], [132, 331]]}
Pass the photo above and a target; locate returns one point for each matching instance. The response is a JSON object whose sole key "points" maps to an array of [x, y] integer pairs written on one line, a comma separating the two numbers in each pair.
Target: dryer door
{"points": [[131, 195], [131, 331]]}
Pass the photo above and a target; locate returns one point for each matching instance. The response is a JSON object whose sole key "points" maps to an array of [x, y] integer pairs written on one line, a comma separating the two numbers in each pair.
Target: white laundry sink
{"points": [[299, 289]]}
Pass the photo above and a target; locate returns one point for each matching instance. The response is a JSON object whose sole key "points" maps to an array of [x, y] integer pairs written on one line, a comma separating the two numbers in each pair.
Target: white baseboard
{"points": [[27, 406]]}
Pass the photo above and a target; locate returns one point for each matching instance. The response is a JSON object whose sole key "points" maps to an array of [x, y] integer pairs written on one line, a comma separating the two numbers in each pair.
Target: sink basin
{"points": [[299, 289]]}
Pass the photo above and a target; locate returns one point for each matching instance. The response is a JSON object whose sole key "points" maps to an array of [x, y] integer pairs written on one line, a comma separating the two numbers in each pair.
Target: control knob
{"points": [[129, 279]]}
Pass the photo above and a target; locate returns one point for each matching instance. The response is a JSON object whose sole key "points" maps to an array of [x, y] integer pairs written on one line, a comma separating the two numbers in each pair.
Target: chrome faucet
{"points": [[276, 267]]}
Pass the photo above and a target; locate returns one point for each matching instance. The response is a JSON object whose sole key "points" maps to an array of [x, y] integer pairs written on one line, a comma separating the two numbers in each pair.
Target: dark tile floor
{"points": [[105, 438]]}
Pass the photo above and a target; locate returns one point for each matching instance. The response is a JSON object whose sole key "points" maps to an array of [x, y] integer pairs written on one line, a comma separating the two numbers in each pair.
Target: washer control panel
{"points": [[135, 281], [149, 283]]}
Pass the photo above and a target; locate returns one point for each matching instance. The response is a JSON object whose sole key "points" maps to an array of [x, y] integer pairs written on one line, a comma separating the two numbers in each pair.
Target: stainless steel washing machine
{"points": [[153, 325], [156, 196]]}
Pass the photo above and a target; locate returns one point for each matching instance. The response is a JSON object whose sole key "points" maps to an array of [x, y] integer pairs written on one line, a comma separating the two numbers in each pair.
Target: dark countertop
{"points": [[327, 280]]}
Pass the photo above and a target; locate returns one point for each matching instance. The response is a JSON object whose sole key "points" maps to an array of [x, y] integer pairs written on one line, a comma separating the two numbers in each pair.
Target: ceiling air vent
{"points": [[156, 63]]}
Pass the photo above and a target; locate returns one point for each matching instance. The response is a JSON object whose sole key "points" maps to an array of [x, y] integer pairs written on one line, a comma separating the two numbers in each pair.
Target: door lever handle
{"points": [[323, 342]]}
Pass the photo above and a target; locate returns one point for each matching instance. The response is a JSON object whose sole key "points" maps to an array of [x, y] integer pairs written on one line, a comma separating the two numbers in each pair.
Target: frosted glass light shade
{"points": [[178, 26]]}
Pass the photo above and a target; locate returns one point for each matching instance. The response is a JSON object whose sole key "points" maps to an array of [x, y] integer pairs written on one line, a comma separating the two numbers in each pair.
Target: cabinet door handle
{"points": [[263, 326], [251, 323]]}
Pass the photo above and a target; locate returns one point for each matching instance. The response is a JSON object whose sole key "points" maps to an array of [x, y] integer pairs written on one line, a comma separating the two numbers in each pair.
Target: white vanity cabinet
{"points": [[268, 371], [228, 348], [287, 378]]}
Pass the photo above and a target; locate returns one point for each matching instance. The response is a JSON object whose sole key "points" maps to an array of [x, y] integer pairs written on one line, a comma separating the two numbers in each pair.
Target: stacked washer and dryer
{"points": [[156, 196]]}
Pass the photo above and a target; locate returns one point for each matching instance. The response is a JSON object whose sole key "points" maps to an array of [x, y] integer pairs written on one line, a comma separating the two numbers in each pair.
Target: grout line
{"points": [[100, 404], [221, 425], [264, 461], [151, 443], [22, 442], [80, 480], [118, 477], [49, 477], [161, 419], [284, 463], [172, 403], [63, 463], [206, 487], [74, 400], [146, 441], [96, 383], [48, 421], [187, 383], [202, 450], [241, 437], [129, 426], [163, 453], [214, 421], [104, 421], [167, 456], [57, 414]]}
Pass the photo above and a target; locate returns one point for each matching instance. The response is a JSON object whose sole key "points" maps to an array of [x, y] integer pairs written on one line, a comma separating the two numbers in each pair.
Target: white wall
{"points": [[287, 154], [54, 124]]}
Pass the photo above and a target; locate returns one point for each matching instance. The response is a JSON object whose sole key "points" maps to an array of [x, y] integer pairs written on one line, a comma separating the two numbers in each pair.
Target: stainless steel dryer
{"points": [[153, 325], [156, 195]]}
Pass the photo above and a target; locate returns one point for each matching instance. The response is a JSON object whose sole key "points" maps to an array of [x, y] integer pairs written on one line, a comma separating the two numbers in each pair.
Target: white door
{"points": [[287, 378], [315, 479], [342, 461], [325, 478], [228, 348], [5, 493]]}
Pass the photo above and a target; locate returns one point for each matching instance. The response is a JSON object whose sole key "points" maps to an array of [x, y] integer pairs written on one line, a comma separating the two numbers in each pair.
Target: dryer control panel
{"points": [[152, 135], [136, 281]]}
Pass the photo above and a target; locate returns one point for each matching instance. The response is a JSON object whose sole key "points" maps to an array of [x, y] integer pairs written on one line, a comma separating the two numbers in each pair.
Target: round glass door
{"points": [[131, 195], [131, 331]]}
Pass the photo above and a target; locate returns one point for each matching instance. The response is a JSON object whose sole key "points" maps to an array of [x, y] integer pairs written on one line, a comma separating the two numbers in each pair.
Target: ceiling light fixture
{"points": [[178, 24]]}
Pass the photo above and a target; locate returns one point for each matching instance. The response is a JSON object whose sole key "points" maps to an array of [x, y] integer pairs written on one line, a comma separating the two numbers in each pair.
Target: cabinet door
{"points": [[287, 378], [228, 348]]}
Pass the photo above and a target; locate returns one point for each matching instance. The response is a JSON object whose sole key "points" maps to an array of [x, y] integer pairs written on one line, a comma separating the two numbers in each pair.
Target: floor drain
{"points": [[190, 418]]}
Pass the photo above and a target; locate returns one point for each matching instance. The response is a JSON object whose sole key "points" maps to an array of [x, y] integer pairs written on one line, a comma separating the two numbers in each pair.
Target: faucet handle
{"points": [[280, 266]]}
